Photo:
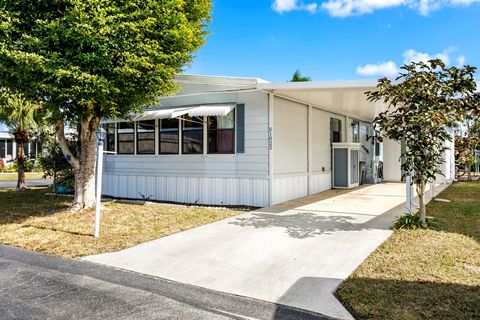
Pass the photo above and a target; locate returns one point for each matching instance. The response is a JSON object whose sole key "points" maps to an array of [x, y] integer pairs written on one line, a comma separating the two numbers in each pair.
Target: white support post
{"points": [[99, 188], [309, 150], [270, 148], [409, 190]]}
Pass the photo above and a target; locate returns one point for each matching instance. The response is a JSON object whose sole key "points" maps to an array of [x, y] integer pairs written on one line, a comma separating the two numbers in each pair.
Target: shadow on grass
{"points": [[18, 206], [369, 298], [75, 233]]}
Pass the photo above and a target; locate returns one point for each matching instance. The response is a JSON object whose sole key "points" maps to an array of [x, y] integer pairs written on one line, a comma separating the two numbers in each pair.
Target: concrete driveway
{"points": [[295, 253]]}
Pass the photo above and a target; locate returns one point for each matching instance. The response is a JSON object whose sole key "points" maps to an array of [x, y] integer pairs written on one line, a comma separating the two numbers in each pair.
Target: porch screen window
{"points": [[192, 135], [336, 130], [221, 133], [33, 150], [355, 131], [125, 138], [10, 153], [2, 149], [110, 143], [169, 136], [146, 137]]}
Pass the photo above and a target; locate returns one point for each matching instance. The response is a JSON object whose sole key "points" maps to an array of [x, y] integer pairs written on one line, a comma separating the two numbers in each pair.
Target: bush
{"points": [[12, 167], [410, 221]]}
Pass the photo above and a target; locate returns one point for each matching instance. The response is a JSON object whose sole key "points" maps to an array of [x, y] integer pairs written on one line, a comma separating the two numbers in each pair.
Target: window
{"points": [[192, 135], [33, 149], [146, 137], [355, 131], [110, 143], [169, 136], [335, 130], [221, 133], [2, 149], [10, 153], [125, 138]]}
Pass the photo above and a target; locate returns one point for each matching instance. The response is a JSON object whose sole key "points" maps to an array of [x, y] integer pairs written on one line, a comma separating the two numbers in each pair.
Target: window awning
{"points": [[216, 110], [192, 111], [162, 114]]}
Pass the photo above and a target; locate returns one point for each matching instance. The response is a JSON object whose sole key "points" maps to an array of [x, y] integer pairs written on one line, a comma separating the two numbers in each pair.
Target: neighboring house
{"points": [[8, 147], [245, 141]]}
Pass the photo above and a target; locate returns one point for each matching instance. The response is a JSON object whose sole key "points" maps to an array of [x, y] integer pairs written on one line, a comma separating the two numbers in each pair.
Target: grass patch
{"points": [[13, 176], [31, 220], [424, 274]]}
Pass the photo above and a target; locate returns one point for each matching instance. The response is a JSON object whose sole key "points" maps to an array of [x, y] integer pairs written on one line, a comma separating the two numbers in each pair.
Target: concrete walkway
{"points": [[295, 253]]}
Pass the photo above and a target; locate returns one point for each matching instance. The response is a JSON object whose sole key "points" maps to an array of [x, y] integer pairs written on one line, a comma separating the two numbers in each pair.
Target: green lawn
{"points": [[424, 274], [31, 220], [13, 176]]}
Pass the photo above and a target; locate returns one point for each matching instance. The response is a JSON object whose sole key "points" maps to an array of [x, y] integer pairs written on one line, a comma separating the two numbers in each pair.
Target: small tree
{"points": [[21, 115], [92, 59], [424, 102], [467, 144], [297, 77]]}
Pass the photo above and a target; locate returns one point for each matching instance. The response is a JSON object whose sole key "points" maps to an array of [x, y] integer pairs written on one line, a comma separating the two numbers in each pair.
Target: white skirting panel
{"points": [[201, 190], [289, 187], [321, 182]]}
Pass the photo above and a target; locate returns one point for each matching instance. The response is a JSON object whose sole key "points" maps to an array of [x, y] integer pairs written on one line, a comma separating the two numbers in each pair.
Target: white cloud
{"points": [[416, 56], [461, 61], [282, 6], [384, 69], [390, 69], [345, 8]]}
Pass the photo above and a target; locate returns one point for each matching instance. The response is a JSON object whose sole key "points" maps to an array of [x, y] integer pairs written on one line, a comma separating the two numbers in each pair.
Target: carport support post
{"points": [[409, 188], [101, 136]]}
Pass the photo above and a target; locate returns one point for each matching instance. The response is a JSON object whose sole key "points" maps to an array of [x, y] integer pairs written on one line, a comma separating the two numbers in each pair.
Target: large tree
{"points": [[21, 116], [423, 103], [88, 59]]}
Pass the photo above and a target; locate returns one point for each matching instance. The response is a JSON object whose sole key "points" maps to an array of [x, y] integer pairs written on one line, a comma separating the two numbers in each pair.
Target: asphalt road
{"points": [[30, 183], [37, 286]]}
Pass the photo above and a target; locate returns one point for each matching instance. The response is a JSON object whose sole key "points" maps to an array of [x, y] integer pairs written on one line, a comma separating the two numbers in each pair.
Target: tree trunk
{"points": [[84, 164], [21, 183], [421, 199], [468, 167]]}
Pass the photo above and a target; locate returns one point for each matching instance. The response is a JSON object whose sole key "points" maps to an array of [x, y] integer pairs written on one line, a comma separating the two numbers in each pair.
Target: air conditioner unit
{"points": [[346, 164]]}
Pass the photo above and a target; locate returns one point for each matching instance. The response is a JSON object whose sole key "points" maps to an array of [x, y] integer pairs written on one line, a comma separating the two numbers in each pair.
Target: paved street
{"points": [[36, 286], [30, 183]]}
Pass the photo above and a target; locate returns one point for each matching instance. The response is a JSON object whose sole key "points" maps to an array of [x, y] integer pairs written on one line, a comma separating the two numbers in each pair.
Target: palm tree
{"points": [[297, 77], [21, 115]]}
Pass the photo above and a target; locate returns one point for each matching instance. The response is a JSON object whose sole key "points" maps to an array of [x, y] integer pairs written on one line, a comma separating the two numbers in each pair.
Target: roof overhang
{"points": [[342, 97]]}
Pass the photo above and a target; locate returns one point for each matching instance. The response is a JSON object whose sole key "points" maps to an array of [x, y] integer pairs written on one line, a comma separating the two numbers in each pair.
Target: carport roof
{"points": [[340, 96]]}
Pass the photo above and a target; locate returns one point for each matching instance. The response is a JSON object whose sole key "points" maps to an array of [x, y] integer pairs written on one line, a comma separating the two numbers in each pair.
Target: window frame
{"points": [[179, 144], [204, 138], [355, 124], [234, 151], [137, 140], [117, 130]]}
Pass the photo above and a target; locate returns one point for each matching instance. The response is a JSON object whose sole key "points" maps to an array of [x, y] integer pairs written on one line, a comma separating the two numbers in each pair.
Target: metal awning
{"points": [[170, 113], [162, 114], [216, 110]]}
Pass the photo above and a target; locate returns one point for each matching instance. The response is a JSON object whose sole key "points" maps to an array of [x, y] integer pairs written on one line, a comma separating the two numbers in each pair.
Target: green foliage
{"points": [[425, 101], [297, 77], [52, 161], [95, 57], [409, 221], [28, 166]]}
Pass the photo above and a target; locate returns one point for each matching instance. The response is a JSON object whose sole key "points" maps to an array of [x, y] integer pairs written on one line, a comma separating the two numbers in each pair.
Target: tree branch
{"points": [[74, 162]]}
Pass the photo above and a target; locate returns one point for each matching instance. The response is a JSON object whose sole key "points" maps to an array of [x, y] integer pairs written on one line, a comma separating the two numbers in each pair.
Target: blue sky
{"points": [[336, 39]]}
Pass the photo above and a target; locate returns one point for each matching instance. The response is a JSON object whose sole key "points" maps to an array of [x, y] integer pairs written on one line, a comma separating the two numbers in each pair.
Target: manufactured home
{"points": [[246, 141], [8, 146]]}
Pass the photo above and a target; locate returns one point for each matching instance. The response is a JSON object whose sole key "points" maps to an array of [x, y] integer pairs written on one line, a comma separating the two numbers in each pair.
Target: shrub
{"points": [[12, 167], [410, 221]]}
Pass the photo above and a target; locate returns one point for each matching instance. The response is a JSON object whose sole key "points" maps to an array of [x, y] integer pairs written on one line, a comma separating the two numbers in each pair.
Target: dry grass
{"points": [[424, 274], [13, 176], [31, 220]]}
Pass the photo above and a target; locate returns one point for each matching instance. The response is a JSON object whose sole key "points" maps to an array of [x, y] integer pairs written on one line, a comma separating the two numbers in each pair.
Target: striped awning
{"points": [[170, 113]]}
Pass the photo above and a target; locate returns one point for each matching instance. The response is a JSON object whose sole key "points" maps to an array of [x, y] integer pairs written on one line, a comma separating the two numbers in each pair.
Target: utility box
{"points": [[346, 164]]}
